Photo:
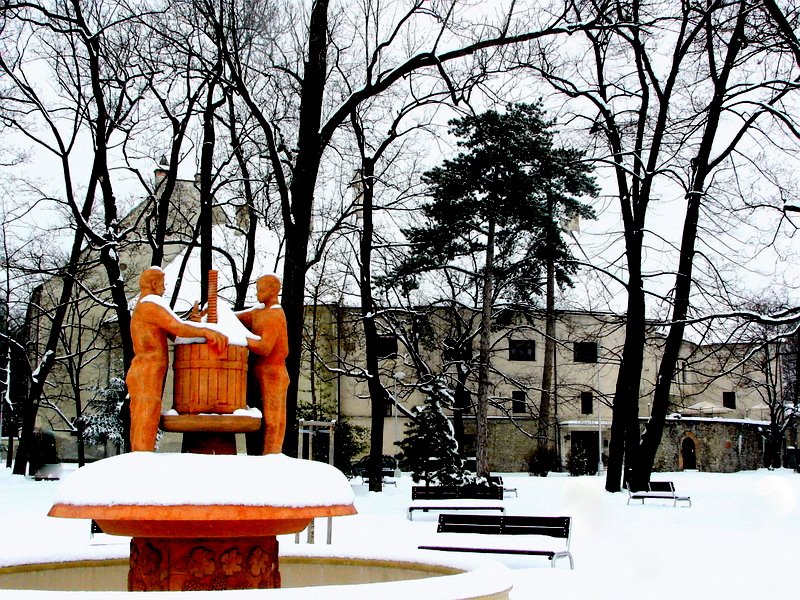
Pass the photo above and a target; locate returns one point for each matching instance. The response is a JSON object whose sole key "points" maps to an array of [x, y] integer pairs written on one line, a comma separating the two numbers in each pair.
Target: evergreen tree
{"points": [[513, 175], [102, 421], [429, 450], [495, 217]]}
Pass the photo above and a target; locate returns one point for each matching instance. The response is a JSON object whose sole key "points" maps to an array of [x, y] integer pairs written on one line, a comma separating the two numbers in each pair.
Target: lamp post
{"points": [[398, 376], [599, 438]]}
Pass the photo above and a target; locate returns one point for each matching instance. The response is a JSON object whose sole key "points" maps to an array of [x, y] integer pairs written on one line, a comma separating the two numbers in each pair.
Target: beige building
{"points": [[708, 402]]}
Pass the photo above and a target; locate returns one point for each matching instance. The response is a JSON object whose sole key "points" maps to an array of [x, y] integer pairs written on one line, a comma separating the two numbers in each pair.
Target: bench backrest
{"points": [[455, 492], [557, 527], [662, 486]]}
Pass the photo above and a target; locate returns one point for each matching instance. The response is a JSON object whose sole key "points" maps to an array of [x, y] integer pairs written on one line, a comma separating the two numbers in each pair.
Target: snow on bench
{"points": [[664, 490]]}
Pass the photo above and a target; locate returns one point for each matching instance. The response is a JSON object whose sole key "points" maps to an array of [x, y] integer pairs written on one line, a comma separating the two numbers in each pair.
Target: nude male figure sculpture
{"points": [[269, 364], [151, 324]]}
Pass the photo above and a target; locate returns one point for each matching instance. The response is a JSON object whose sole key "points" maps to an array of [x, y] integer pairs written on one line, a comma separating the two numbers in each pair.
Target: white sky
{"points": [[765, 271], [738, 540]]}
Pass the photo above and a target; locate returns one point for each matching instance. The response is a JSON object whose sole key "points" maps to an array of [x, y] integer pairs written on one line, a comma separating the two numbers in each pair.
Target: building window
{"points": [[587, 403], [387, 346], [518, 403], [521, 350], [729, 399], [388, 408], [584, 352]]}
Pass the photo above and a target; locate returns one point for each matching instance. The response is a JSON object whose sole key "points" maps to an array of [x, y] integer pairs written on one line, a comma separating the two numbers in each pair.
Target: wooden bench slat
{"points": [[443, 492], [467, 497], [515, 525], [549, 553]]}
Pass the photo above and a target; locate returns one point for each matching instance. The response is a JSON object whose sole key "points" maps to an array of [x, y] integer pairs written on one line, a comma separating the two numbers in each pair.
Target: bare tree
{"points": [[86, 51], [666, 124], [318, 104]]}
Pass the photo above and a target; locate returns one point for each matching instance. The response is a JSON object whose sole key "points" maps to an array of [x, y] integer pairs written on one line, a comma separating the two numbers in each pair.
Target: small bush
{"points": [[578, 463], [542, 460]]}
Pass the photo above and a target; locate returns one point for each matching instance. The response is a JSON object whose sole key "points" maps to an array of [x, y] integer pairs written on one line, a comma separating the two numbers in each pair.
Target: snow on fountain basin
{"points": [[169, 483]]}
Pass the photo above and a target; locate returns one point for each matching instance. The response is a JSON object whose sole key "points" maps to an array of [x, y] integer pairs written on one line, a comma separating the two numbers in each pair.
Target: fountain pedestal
{"points": [[209, 434], [164, 564], [203, 522]]}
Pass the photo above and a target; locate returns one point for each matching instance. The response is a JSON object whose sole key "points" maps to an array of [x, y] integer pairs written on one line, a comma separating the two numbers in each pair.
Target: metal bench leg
{"points": [[558, 555]]}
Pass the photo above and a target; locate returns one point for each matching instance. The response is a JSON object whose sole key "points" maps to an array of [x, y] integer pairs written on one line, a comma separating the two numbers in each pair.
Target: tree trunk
{"points": [[164, 190], [377, 393], [109, 254], [461, 405], [39, 377], [701, 169], [297, 214], [206, 185], [625, 410], [482, 416], [546, 432], [795, 392], [672, 346], [246, 272]]}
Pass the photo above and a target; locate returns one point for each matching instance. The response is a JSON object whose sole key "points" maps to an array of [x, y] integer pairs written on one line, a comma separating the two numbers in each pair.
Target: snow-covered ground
{"points": [[738, 540]]}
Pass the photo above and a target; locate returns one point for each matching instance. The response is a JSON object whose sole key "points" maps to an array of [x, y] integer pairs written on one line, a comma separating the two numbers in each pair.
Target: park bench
{"points": [[387, 476], [388, 470], [664, 490], [529, 529], [456, 497], [497, 480]]}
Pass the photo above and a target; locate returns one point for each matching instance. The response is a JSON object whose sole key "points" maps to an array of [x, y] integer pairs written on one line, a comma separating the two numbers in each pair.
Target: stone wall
{"points": [[509, 447], [720, 446]]}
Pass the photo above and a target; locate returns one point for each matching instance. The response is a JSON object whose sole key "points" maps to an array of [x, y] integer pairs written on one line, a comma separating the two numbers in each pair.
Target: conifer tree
{"points": [[430, 451], [494, 217], [102, 423]]}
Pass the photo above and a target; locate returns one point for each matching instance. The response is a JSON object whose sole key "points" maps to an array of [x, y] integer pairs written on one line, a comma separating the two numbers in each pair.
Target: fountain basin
{"points": [[306, 572], [191, 521]]}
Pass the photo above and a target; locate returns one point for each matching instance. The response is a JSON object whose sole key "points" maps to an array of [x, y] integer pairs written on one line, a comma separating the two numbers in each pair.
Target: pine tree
{"points": [[430, 450], [494, 218], [102, 423]]}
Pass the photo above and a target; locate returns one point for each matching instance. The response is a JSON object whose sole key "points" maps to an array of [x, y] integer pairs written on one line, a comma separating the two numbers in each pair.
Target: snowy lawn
{"points": [[738, 540]]}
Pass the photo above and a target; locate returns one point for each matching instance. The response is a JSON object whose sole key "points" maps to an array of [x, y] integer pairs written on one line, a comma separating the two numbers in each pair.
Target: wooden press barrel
{"points": [[204, 382]]}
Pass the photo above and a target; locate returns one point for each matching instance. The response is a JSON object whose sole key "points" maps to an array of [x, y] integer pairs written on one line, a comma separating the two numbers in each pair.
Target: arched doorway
{"points": [[688, 454]]}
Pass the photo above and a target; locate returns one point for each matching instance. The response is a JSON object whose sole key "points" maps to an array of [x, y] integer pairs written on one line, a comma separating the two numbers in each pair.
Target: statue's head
{"points": [[151, 281], [267, 288]]}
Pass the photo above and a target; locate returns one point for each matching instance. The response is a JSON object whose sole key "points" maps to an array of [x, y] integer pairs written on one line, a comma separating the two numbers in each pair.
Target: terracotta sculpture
{"points": [[152, 323], [269, 364]]}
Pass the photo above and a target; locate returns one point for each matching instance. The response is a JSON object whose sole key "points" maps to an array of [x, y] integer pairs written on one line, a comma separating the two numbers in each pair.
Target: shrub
{"points": [[101, 422], [578, 463], [542, 460]]}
